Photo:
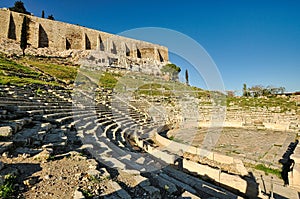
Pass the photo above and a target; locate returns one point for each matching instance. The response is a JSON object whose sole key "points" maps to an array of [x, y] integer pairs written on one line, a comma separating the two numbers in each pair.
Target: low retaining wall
{"points": [[233, 183], [273, 126], [179, 148]]}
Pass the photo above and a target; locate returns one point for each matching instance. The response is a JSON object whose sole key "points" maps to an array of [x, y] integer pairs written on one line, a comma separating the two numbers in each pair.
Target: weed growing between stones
{"points": [[7, 188]]}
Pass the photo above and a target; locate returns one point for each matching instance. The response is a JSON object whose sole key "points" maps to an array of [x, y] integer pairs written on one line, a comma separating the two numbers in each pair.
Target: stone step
{"points": [[113, 156], [70, 117], [18, 124], [163, 184], [42, 107], [116, 191], [203, 188], [189, 195], [178, 183], [6, 131]]}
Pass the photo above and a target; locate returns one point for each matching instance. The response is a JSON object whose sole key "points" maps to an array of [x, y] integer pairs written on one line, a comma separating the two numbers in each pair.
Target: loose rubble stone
{"points": [[92, 173], [6, 131], [30, 181], [78, 195], [44, 155]]}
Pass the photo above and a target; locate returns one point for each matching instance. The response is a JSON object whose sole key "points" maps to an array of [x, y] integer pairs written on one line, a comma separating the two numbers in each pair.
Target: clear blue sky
{"points": [[251, 41]]}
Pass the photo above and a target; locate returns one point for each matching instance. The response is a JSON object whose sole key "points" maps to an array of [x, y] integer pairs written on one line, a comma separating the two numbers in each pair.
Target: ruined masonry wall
{"points": [[62, 36]]}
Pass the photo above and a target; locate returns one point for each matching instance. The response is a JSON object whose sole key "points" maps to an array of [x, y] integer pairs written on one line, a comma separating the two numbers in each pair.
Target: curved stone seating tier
{"points": [[31, 129], [114, 157], [51, 120], [110, 136], [234, 183]]}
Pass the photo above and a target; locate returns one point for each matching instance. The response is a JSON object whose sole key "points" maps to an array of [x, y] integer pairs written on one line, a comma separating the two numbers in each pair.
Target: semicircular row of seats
{"points": [[37, 117]]}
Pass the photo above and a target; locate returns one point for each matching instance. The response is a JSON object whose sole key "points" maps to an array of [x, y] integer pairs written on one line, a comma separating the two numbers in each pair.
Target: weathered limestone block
{"points": [[94, 174], [6, 131], [93, 164], [187, 194], [78, 195], [44, 155], [46, 126]]}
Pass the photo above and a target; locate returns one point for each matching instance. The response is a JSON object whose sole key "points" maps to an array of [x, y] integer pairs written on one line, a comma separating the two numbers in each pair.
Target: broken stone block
{"points": [[6, 131], [104, 173], [78, 195], [30, 182], [94, 174], [92, 163], [44, 155]]}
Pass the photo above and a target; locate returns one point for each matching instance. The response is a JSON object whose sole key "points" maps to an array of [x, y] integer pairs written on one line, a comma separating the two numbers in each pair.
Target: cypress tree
{"points": [[187, 77], [23, 43]]}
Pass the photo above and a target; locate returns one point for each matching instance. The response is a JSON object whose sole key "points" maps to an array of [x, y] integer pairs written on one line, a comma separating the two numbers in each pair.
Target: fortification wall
{"points": [[45, 33]]}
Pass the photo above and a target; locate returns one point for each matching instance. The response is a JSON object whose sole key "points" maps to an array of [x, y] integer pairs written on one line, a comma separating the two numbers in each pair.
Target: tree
{"points": [[230, 93], [24, 35], [257, 90], [281, 89], [19, 7], [245, 91], [51, 17], [172, 70], [187, 77], [43, 14]]}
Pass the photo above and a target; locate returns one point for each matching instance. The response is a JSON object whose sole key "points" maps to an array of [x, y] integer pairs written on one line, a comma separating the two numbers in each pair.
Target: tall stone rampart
{"points": [[43, 33]]}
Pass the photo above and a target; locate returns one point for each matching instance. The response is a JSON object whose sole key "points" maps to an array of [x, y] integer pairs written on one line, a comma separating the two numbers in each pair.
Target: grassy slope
{"points": [[55, 70], [247, 103], [20, 73]]}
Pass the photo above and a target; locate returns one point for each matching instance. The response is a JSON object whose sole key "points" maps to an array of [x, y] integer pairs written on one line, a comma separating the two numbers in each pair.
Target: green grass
{"points": [[11, 67], [7, 188], [108, 80], [268, 170], [12, 80], [247, 103], [154, 89], [18, 73], [87, 194], [59, 71]]}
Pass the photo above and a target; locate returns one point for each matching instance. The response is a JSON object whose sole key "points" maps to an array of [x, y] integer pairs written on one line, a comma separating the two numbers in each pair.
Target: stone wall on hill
{"points": [[45, 33]]}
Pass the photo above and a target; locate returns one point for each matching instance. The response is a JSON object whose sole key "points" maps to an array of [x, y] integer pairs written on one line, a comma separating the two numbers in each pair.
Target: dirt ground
{"points": [[58, 177], [252, 145]]}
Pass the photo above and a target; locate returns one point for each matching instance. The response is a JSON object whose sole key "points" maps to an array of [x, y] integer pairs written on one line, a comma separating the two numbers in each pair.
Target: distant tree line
{"points": [[259, 90]]}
